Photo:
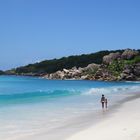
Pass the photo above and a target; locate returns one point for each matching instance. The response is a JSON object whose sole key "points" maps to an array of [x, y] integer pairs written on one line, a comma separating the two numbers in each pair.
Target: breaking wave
{"points": [[113, 90]]}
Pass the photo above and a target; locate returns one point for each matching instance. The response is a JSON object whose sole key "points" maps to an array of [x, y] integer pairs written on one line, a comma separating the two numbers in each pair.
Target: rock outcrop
{"points": [[115, 66], [129, 54], [108, 59], [137, 69]]}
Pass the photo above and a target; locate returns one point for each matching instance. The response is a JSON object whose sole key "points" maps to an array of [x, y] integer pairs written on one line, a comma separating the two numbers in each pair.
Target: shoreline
{"points": [[71, 79], [67, 127], [87, 126], [123, 123]]}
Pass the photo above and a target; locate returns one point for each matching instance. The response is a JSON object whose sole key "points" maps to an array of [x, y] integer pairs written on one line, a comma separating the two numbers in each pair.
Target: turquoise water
{"points": [[30, 106]]}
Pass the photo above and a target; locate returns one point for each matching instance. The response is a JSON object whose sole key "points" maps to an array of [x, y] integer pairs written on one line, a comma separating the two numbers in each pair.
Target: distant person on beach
{"points": [[106, 103], [103, 101]]}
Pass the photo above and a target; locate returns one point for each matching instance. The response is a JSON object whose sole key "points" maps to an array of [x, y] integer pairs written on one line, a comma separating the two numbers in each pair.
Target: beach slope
{"points": [[124, 124]]}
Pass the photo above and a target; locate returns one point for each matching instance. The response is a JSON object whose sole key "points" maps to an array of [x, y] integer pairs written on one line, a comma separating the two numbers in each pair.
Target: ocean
{"points": [[32, 106]]}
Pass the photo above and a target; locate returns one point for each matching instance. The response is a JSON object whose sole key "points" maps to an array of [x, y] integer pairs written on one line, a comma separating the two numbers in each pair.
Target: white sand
{"points": [[124, 124], [121, 124]]}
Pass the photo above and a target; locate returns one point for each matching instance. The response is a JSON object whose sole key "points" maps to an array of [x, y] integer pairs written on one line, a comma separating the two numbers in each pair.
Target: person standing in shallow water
{"points": [[103, 101]]}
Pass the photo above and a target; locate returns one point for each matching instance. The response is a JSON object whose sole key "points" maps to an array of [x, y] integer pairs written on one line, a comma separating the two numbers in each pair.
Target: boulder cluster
{"points": [[106, 70], [126, 55], [131, 72]]}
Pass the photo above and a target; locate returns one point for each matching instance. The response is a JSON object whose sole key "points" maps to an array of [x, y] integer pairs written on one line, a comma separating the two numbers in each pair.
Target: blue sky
{"points": [[34, 30]]}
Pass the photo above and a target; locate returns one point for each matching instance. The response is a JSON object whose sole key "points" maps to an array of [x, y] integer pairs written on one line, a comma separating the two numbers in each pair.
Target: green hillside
{"points": [[51, 66]]}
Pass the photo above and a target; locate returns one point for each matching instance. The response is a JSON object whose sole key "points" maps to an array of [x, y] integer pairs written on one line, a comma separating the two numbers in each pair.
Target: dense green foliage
{"points": [[133, 61], [116, 67]]}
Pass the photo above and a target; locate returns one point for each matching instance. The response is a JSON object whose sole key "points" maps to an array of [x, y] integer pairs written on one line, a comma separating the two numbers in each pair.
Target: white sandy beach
{"points": [[118, 123], [124, 124]]}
